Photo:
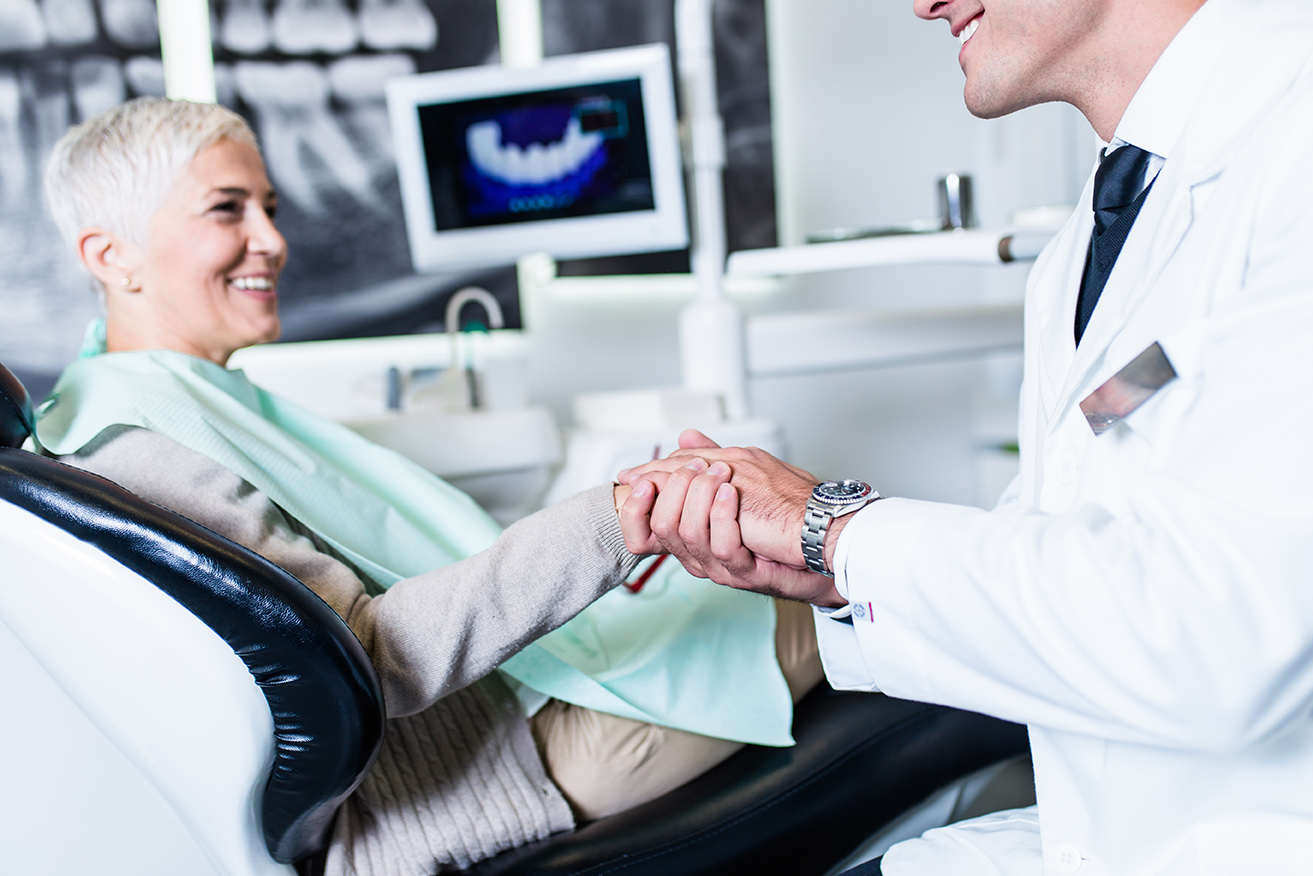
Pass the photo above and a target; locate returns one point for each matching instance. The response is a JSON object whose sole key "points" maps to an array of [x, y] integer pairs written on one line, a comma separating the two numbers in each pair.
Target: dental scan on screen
{"points": [[563, 152], [578, 157]]}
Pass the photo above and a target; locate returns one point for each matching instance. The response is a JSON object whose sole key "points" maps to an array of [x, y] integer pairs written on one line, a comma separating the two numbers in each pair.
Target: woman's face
{"points": [[213, 256]]}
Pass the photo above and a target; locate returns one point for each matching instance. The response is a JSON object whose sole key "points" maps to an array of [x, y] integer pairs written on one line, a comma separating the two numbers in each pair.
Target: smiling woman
{"points": [[205, 283], [205, 280], [502, 729], [185, 254]]}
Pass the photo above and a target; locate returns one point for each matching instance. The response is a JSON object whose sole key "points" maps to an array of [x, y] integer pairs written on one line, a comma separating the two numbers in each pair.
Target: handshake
{"points": [[734, 515]]}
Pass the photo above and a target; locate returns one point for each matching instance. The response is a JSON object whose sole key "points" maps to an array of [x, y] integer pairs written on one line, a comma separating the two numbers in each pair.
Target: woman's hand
{"points": [[638, 540]]}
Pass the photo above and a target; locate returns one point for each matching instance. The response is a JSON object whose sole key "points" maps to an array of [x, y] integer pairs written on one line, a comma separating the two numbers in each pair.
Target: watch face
{"points": [[842, 492]]}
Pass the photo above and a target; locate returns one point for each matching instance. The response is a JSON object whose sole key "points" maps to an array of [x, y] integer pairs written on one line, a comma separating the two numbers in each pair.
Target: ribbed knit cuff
{"points": [[599, 512]]}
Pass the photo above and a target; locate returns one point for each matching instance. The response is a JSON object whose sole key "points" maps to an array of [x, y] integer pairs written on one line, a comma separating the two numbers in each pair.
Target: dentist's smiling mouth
{"points": [[968, 30]]}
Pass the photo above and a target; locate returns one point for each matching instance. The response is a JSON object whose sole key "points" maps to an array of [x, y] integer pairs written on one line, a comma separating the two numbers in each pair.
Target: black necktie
{"points": [[1117, 200]]}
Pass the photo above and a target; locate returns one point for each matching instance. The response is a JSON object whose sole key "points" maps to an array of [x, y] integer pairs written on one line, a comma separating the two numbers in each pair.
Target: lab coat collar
{"points": [[1224, 119], [1158, 112]]}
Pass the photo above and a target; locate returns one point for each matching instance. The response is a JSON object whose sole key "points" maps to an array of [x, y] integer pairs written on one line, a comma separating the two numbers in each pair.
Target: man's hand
{"points": [[772, 495], [693, 510]]}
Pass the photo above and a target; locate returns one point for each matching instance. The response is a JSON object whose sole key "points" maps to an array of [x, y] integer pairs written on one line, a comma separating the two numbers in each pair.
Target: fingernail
{"points": [[724, 493], [718, 469], [642, 489], [696, 464]]}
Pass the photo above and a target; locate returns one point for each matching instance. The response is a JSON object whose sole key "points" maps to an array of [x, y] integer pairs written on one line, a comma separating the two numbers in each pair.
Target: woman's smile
{"points": [[209, 272]]}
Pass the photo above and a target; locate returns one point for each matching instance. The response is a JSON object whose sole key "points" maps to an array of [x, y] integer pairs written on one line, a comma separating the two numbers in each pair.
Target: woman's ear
{"points": [[110, 259]]}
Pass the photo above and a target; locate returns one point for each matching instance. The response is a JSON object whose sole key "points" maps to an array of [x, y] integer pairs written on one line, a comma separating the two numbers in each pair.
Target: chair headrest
{"points": [[16, 421]]}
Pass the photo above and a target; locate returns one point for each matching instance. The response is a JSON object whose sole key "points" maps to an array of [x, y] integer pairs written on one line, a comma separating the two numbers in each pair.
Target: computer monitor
{"points": [[577, 157]]}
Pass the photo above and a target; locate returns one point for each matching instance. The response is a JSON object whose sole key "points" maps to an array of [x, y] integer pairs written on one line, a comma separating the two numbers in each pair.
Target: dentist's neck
{"points": [[1135, 35]]}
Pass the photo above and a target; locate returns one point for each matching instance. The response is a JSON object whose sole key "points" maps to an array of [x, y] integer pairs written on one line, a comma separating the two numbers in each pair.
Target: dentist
{"points": [[1142, 595]]}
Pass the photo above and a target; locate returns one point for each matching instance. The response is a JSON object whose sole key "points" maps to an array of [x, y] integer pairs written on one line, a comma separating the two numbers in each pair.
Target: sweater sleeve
{"points": [[428, 635]]}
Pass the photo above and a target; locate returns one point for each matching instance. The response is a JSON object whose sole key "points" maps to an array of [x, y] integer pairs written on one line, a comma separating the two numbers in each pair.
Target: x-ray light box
{"points": [[577, 157]]}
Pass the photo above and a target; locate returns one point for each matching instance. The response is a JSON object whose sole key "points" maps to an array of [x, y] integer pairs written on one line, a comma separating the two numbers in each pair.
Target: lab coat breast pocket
{"points": [[1155, 424]]}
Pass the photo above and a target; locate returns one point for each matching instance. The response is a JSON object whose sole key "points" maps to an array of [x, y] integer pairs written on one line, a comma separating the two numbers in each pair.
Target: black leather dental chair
{"points": [[175, 704]]}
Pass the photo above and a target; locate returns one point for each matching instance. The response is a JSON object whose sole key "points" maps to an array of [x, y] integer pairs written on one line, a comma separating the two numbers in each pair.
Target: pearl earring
{"points": [[125, 282]]}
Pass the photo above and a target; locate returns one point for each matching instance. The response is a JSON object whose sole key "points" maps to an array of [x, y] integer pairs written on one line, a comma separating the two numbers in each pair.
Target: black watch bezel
{"points": [[830, 499], [840, 494]]}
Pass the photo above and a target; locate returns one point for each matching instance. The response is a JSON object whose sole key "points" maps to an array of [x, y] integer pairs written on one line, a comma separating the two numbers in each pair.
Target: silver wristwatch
{"points": [[830, 500]]}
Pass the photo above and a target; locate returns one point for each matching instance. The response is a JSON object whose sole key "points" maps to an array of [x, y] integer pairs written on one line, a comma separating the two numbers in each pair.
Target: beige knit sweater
{"points": [[458, 779]]}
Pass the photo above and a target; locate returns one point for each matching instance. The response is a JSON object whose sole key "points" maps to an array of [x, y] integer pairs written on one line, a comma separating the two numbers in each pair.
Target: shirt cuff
{"points": [[844, 613], [841, 654], [841, 558]]}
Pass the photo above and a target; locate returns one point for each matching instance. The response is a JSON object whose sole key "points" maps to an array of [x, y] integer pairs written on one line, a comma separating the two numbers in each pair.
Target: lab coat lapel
{"points": [[1054, 288], [1221, 123], [1161, 226]]}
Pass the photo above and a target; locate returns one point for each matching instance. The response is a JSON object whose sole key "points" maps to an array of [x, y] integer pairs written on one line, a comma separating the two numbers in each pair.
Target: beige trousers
{"points": [[604, 764]]}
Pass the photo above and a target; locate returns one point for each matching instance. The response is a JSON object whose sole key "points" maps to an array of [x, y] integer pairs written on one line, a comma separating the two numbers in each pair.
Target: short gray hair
{"points": [[114, 171]]}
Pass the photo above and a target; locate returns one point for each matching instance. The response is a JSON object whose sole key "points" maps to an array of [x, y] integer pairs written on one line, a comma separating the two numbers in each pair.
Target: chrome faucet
{"points": [[496, 320], [473, 293]]}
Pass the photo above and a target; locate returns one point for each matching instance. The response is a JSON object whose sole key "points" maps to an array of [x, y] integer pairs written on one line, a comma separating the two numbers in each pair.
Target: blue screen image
{"points": [[533, 160], [578, 151]]}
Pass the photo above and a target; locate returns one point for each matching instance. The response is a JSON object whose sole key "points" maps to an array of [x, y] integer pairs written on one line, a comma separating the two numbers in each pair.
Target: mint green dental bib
{"points": [[683, 653]]}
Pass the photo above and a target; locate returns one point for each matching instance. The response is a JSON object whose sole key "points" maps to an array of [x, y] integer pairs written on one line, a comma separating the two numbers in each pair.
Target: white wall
{"points": [[867, 109], [867, 106]]}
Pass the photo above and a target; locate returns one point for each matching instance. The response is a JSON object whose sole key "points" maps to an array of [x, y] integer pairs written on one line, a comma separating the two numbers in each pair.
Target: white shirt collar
{"points": [[1158, 113]]}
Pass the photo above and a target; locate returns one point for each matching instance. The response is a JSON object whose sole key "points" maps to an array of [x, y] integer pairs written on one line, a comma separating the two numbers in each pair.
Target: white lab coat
{"points": [[1142, 600]]}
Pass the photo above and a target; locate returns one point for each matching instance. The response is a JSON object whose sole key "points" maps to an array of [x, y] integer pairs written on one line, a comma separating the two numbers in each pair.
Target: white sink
{"points": [[504, 459], [502, 455]]}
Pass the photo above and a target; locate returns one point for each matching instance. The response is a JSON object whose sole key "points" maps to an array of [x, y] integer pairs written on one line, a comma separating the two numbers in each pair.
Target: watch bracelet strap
{"points": [[816, 523]]}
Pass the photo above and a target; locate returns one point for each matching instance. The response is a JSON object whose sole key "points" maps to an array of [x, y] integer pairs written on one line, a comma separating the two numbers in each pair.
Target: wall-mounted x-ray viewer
{"points": [[577, 157]]}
